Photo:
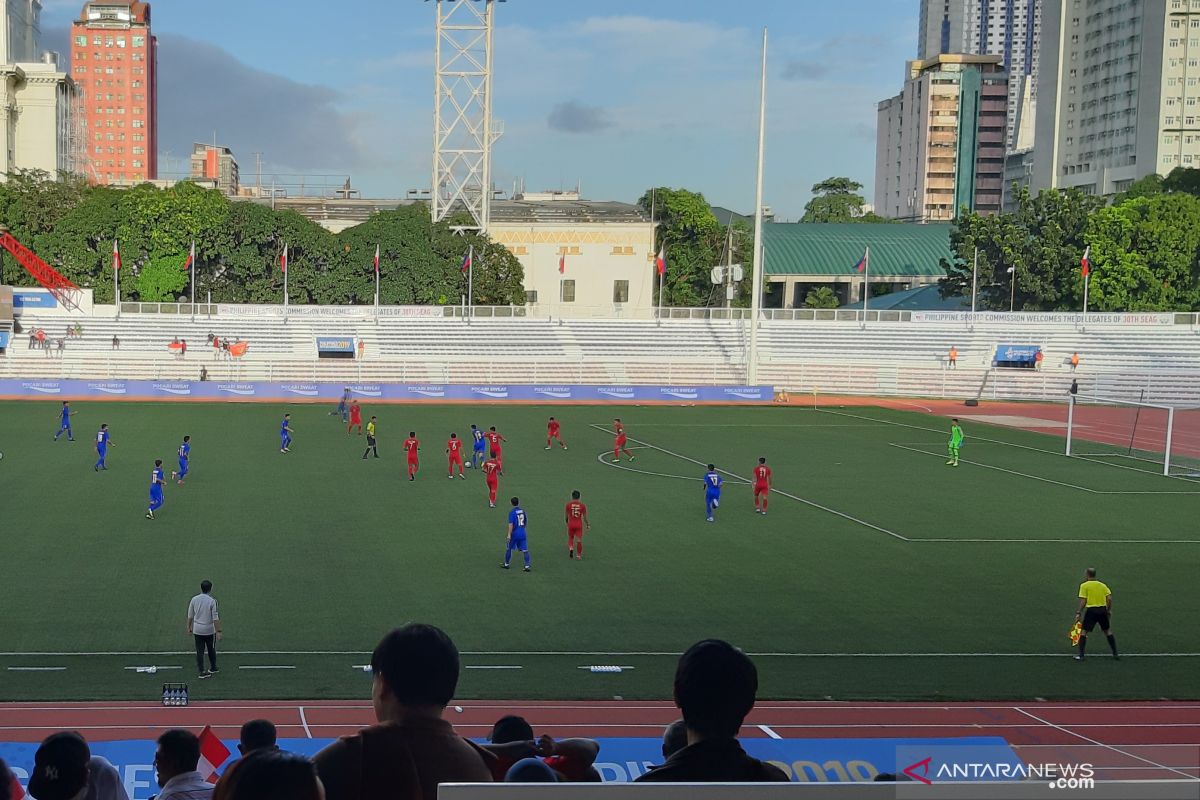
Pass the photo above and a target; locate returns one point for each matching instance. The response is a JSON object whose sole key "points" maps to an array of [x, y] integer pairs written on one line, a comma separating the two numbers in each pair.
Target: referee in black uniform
{"points": [[371, 448], [1095, 607]]}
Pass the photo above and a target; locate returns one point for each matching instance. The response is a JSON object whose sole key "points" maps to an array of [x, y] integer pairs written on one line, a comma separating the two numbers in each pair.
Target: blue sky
{"points": [[617, 95]]}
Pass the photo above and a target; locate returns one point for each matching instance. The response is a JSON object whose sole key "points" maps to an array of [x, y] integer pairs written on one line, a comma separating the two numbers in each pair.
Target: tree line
{"points": [[1143, 246], [71, 226]]}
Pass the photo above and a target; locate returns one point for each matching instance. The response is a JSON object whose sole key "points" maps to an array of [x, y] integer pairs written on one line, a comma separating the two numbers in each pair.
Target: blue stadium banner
{"points": [[1016, 353], [335, 344], [34, 300], [380, 392], [623, 760], [3, 339]]}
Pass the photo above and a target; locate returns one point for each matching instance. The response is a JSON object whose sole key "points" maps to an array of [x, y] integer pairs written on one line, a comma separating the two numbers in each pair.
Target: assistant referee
{"points": [[1095, 607]]}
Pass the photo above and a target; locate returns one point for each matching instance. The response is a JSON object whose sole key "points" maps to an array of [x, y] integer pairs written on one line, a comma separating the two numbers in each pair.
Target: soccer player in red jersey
{"points": [[577, 521], [494, 440], [619, 443], [492, 473], [355, 418], [762, 485], [552, 432], [411, 446], [454, 451]]}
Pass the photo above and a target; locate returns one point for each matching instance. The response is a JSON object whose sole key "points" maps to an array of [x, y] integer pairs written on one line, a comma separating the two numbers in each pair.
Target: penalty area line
{"points": [[797, 498]]}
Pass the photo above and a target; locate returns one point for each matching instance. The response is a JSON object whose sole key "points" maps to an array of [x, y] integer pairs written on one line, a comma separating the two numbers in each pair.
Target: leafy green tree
{"points": [[1144, 255], [835, 200], [694, 241], [161, 279], [1042, 241], [821, 297]]}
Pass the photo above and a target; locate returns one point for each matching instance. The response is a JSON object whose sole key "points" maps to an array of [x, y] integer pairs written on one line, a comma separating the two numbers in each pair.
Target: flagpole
{"points": [[376, 283], [192, 266], [116, 276], [285, 282], [470, 282], [757, 280], [1086, 280], [974, 282], [866, 282]]}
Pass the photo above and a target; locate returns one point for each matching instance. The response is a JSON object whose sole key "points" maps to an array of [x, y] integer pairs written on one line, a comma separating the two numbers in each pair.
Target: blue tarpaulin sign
{"points": [[34, 300], [335, 344], [1016, 354], [623, 760]]}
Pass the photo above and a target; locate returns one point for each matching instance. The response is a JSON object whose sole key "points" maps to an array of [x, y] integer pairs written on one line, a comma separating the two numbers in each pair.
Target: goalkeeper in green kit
{"points": [[956, 440]]}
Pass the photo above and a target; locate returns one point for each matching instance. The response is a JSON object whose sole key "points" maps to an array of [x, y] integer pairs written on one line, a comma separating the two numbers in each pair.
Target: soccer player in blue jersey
{"points": [[343, 407], [156, 489], [516, 535], [102, 443], [64, 425], [712, 490], [478, 444], [185, 457], [285, 434]]}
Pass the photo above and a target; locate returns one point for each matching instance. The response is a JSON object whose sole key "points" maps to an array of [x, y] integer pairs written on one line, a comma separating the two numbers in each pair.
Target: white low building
{"points": [[582, 258]]}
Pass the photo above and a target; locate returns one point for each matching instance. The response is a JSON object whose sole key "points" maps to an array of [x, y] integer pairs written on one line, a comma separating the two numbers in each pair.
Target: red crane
{"points": [[65, 292]]}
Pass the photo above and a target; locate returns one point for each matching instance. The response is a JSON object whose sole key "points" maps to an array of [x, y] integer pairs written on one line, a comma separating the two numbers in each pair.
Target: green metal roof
{"points": [[833, 248]]}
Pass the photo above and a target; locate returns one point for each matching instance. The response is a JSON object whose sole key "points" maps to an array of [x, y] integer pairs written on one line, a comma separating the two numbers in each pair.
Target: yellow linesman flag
{"points": [[1076, 632]]}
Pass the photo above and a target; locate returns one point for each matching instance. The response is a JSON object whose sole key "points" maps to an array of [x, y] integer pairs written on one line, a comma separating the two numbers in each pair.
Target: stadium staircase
{"points": [[829, 357]]}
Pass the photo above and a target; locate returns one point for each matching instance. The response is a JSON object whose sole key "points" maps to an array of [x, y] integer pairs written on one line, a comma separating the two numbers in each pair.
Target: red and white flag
{"points": [[213, 753], [116, 256], [660, 261], [283, 259], [862, 262], [562, 263], [376, 259], [191, 259], [17, 792], [1085, 266]]}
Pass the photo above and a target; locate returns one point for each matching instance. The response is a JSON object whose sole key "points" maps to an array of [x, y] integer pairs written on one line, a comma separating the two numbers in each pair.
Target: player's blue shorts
{"points": [[156, 496], [478, 450], [284, 440], [519, 542], [183, 467]]}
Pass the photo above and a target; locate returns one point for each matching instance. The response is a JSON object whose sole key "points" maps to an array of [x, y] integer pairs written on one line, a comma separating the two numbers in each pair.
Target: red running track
{"points": [[1126, 741]]}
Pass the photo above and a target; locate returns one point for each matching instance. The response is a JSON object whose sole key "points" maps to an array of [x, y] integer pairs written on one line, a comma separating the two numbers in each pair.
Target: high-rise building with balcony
{"points": [[940, 142], [1120, 94], [114, 58], [1010, 29], [212, 162]]}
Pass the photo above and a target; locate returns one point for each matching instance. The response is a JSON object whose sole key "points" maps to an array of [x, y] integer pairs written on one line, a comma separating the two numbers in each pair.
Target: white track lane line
{"points": [[304, 722], [767, 730]]}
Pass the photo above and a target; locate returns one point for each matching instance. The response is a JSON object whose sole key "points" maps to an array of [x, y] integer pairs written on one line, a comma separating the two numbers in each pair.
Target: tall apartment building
{"points": [[1010, 29], [114, 58], [35, 96], [211, 162], [1120, 97], [940, 142]]}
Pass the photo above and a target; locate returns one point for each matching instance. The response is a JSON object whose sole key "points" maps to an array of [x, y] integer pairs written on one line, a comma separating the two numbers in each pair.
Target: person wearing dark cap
{"points": [[715, 687], [257, 734], [65, 769]]}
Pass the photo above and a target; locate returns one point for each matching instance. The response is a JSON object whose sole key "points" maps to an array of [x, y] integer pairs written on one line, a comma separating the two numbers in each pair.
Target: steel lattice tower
{"points": [[463, 130]]}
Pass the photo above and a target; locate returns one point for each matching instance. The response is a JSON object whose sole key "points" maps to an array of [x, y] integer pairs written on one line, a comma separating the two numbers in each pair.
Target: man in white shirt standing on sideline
{"points": [[204, 624]]}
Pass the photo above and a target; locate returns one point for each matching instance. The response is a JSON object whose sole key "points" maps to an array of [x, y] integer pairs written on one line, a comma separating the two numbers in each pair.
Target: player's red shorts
{"points": [[574, 530], [621, 440], [455, 458], [761, 488], [355, 419], [493, 483], [413, 458]]}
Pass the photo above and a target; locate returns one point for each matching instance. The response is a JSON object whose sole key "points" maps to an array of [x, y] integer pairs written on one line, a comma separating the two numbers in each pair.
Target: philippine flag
{"points": [[283, 259], [466, 262], [862, 264], [191, 259], [376, 259], [1085, 265], [660, 261]]}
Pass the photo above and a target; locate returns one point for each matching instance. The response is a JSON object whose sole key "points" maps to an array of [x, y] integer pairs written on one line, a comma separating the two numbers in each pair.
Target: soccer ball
{"points": [[467, 465]]}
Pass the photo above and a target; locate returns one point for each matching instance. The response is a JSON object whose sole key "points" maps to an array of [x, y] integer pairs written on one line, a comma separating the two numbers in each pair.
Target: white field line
{"points": [[916, 449], [767, 730], [797, 498], [36, 669], [1102, 744], [304, 722], [602, 653], [266, 666], [600, 457], [999, 441]]}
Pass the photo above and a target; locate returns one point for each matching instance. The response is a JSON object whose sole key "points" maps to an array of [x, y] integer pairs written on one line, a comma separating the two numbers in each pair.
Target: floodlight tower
{"points": [[463, 130]]}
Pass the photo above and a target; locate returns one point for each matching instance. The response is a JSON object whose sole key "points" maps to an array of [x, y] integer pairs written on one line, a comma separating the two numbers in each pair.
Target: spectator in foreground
{"points": [[412, 749], [116, 343], [270, 774], [175, 763], [64, 768], [715, 686], [674, 738], [512, 741], [7, 780], [530, 770], [257, 734]]}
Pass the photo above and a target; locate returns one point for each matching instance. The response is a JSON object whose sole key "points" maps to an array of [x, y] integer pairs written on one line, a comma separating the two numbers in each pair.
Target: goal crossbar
{"points": [[1113, 401]]}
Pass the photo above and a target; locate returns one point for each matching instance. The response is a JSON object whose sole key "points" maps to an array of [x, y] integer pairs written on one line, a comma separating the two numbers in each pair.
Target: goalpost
{"points": [[1150, 436]]}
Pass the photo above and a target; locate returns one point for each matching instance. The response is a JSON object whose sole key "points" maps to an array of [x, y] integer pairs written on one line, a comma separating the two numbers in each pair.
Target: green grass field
{"points": [[881, 573]]}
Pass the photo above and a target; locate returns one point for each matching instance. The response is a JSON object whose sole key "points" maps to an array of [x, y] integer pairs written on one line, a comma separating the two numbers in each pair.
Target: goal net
{"points": [[1154, 437]]}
